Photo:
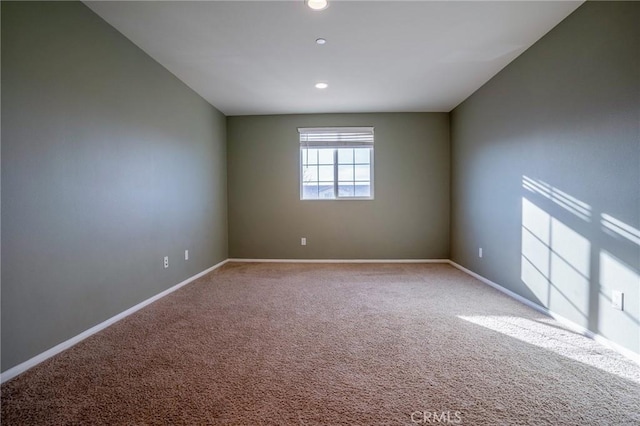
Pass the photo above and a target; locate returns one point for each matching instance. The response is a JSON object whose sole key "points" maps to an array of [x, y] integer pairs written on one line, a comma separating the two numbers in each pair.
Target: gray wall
{"points": [[546, 172], [409, 218], [109, 163]]}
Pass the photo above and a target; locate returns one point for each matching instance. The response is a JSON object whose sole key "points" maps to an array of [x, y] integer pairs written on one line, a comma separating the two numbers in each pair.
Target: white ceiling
{"points": [[260, 57]]}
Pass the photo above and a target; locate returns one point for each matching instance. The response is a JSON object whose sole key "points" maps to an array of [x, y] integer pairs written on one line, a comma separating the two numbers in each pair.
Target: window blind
{"points": [[327, 137]]}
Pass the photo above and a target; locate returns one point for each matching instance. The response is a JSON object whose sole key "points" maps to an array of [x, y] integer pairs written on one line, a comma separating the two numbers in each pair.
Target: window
{"points": [[336, 163]]}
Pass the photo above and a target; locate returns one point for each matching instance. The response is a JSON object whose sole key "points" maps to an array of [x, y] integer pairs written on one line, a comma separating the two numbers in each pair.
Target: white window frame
{"points": [[336, 138]]}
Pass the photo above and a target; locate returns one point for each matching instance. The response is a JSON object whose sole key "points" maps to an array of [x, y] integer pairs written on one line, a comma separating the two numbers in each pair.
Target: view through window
{"points": [[336, 163]]}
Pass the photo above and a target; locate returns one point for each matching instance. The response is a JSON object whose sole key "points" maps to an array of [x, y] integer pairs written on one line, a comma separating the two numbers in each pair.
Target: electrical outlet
{"points": [[166, 261], [303, 241], [186, 255], [480, 252], [617, 300]]}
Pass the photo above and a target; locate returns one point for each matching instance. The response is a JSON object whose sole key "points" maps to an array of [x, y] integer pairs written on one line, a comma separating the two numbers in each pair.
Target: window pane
{"points": [[326, 190], [339, 171], [325, 173], [363, 173], [363, 189], [310, 191], [309, 173], [345, 172], [345, 156], [345, 189], [362, 155], [309, 156], [325, 156]]}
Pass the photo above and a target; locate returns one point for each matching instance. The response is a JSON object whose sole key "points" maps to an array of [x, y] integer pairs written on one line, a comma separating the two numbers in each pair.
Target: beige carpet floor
{"points": [[304, 344]]}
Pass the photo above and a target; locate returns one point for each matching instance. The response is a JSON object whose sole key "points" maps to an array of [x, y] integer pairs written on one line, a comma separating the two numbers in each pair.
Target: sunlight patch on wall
{"points": [[555, 263], [550, 335], [617, 228], [570, 263], [572, 275], [535, 262], [555, 259], [560, 198], [616, 275]]}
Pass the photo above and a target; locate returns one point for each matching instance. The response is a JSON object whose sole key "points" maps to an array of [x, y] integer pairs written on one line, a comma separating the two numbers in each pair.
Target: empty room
{"points": [[312, 212]]}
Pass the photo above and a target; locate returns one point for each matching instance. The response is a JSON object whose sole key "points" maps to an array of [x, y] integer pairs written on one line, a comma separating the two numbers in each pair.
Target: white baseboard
{"points": [[562, 320], [339, 260], [21, 368]]}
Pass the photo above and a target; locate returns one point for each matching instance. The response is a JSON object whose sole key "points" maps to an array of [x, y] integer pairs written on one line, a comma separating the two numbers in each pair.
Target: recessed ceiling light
{"points": [[321, 85], [320, 41], [318, 4]]}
